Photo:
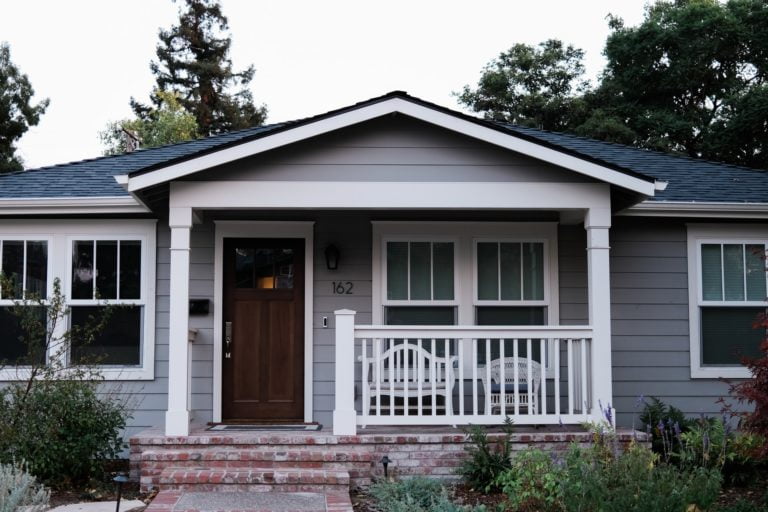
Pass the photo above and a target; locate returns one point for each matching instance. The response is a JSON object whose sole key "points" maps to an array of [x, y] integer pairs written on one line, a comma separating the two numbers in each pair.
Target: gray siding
{"points": [[649, 297], [391, 149]]}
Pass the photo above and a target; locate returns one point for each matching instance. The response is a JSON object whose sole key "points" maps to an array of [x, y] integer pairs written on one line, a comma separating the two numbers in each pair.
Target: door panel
{"points": [[263, 370]]}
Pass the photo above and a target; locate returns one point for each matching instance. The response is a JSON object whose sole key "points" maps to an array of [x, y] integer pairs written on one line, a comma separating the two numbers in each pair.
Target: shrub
{"points": [[415, 495], [487, 460], [665, 423], [62, 429], [753, 392], [533, 482], [20, 491]]}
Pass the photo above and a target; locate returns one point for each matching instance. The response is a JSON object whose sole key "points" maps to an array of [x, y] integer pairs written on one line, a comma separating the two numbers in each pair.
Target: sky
{"points": [[89, 57]]}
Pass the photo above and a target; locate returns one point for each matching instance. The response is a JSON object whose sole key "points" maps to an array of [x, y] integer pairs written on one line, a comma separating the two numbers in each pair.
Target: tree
{"points": [[691, 78], [193, 61], [166, 124], [17, 113], [538, 86]]}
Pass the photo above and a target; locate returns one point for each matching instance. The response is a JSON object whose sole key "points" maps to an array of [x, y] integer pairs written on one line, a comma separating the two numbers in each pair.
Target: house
{"points": [[367, 266]]}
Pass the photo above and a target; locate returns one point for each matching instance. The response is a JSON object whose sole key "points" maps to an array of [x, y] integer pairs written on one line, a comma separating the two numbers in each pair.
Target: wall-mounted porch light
{"points": [[332, 257]]}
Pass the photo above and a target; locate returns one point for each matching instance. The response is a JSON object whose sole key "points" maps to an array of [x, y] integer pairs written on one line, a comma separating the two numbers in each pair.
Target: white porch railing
{"points": [[452, 375]]}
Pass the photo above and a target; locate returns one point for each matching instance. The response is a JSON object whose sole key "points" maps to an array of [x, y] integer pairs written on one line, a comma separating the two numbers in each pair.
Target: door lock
{"points": [[227, 340]]}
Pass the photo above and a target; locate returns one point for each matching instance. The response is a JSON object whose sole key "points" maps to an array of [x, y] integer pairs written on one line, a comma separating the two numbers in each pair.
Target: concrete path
{"points": [[99, 506], [180, 501]]}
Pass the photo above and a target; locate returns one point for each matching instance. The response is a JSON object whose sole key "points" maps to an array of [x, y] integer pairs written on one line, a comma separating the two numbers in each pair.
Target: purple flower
{"points": [[640, 401], [677, 429], [660, 426], [560, 421]]}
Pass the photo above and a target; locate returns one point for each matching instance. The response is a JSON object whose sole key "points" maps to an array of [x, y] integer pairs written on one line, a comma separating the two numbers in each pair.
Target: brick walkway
{"points": [[180, 501]]}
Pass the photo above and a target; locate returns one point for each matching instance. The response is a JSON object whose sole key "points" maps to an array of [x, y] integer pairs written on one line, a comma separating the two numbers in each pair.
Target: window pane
{"points": [[733, 271], [509, 315], [427, 315], [244, 277], [130, 269], [283, 268], [13, 268], [118, 344], [14, 350], [82, 270], [533, 271], [442, 270], [37, 269], [510, 271], [755, 255], [397, 270], [106, 269], [711, 272], [727, 334], [421, 279], [487, 271]]}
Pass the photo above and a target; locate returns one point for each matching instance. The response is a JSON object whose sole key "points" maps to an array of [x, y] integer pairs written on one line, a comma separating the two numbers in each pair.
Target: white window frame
{"points": [[60, 234], [426, 302], [698, 235], [506, 302]]}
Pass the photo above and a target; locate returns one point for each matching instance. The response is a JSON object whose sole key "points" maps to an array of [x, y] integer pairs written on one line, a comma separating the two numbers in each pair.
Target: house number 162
{"points": [[342, 287]]}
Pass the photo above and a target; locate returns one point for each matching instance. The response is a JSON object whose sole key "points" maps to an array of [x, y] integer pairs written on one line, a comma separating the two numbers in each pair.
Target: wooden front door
{"points": [[263, 360]]}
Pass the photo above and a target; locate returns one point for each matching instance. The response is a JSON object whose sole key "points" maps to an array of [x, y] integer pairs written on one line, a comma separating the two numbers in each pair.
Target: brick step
{"points": [[263, 454], [249, 480]]}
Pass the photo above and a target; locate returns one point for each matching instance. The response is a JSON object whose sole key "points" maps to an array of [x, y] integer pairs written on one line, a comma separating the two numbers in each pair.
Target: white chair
{"points": [[398, 373], [494, 387]]}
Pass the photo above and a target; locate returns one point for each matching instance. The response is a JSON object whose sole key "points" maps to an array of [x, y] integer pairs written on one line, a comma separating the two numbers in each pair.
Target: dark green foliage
{"points": [[193, 61], [62, 429], [664, 423], [415, 495], [531, 86], [691, 78], [487, 459], [533, 482], [17, 113]]}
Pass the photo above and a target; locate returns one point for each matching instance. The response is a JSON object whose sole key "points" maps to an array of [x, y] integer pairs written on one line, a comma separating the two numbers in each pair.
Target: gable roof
{"points": [[689, 180]]}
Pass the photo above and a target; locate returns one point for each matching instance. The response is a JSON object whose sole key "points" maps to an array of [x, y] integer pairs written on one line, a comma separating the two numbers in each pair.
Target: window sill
{"points": [[720, 372], [12, 374]]}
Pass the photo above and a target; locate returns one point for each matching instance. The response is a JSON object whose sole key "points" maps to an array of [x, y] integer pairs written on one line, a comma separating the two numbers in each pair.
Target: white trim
{"points": [[719, 234], [382, 108], [697, 209], [263, 229], [71, 205], [60, 233], [283, 195]]}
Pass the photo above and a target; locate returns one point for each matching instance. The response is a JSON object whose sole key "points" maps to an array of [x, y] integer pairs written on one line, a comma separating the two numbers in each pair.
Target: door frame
{"points": [[262, 229]]}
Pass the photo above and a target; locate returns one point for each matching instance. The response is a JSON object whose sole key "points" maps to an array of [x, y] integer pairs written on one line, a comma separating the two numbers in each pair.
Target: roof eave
{"points": [[72, 205], [722, 210], [395, 104]]}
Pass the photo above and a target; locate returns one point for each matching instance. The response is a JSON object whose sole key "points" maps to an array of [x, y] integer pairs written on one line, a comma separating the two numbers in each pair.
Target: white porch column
{"points": [[597, 222], [344, 415], [177, 416]]}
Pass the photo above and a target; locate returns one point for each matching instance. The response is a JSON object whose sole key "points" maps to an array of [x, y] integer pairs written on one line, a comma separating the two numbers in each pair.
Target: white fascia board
{"points": [[388, 195], [697, 209], [392, 105], [71, 205]]}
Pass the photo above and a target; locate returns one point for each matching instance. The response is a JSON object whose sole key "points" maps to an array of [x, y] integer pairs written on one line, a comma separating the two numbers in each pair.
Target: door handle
{"points": [[227, 340]]}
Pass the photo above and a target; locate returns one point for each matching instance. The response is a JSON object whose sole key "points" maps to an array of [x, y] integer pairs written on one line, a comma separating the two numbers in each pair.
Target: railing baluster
{"points": [[543, 350], [556, 363], [473, 344], [529, 377], [364, 379], [448, 378], [488, 382], [584, 375], [419, 376], [406, 376], [502, 379], [571, 389], [392, 379], [379, 372], [516, 374], [460, 349], [432, 377]]}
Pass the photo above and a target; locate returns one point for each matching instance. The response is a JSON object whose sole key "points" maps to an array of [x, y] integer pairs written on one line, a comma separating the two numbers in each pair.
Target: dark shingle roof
{"points": [[689, 179], [95, 177]]}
